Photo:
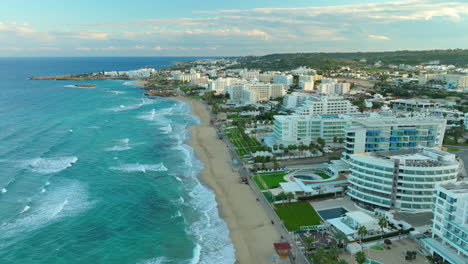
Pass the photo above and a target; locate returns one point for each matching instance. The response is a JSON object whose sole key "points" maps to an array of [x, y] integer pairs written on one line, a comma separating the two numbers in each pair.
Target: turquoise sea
{"points": [[100, 175]]}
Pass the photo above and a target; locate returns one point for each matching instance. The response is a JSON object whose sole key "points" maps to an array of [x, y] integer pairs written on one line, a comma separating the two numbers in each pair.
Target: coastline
{"points": [[250, 229]]}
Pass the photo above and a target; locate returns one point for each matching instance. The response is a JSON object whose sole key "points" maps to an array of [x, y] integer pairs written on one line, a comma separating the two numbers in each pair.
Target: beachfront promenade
{"points": [[296, 255]]}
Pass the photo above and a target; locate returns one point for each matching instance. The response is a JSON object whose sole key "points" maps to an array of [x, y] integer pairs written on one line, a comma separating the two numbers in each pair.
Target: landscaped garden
{"points": [[295, 215], [271, 179], [244, 143]]}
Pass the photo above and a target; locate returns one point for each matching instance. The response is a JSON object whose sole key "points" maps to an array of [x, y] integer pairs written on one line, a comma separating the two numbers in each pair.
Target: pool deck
{"points": [[344, 202], [395, 255]]}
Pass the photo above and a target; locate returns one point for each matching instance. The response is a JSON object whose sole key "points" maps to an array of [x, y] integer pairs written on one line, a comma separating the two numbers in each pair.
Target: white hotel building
{"points": [[296, 129], [449, 241], [326, 105], [404, 180], [218, 85], [391, 133], [252, 93]]}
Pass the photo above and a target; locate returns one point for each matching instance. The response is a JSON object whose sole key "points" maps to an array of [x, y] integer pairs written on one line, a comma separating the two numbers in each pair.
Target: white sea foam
{"points": [[196, 254], [26, 208], [129, 83], [123, 145], [158, 260], [210, 230], [131, 107], [4, 190], [117, 92], [177, 214], [118, 148], [50, 165], [213, 244], [43, 190], [68, 199], [139, 167]]}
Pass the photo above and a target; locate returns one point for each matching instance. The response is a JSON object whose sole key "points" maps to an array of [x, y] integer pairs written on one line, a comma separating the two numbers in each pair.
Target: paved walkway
{"points": [[395, 255]]}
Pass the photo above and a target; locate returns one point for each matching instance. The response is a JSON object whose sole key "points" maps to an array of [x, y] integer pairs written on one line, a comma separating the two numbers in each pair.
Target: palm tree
{"points": [[334, 253], [321, 142], [341, 140], [361, 257], [308, 241], [362, 232], [290, 196], [335, 140], [383, 224], [319, 255], [281, 196], [341, 238], [275, 147]]}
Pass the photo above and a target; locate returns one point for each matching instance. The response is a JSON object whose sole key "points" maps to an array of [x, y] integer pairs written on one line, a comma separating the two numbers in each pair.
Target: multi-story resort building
{"points": [[249, 75], [333, 88], [326, 105], [251, 93], [218, 85], [296, 129], [306, 86], [266, 77], [449, 241], [286, 79], [459, 80], [404, 179], [296, 99], [392, 133], [413, 105]]}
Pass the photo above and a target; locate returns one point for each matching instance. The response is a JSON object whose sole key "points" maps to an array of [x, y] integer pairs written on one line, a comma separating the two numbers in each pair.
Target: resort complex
{"points": [[341, 168]]}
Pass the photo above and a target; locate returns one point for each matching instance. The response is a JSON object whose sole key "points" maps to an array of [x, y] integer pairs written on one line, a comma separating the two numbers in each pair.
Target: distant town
{"points": [[370, 157]]}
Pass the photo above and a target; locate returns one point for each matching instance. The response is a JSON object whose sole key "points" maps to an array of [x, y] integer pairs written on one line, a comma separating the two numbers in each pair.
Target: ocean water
{"points": [[100, 175]]}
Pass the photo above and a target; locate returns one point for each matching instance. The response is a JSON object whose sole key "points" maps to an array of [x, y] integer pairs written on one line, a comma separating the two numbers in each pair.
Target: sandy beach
{"points": [[250, 228]]}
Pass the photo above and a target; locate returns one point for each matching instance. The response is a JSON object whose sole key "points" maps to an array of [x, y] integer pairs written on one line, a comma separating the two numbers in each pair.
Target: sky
{"points": [[227, 28]]}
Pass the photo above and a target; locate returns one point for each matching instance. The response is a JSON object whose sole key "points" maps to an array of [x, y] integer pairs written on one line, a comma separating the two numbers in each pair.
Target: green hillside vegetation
{"points": [[330, 61]]}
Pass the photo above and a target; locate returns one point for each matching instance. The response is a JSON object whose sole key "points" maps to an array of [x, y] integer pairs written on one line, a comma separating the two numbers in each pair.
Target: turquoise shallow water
{"points": [[100, 175]]}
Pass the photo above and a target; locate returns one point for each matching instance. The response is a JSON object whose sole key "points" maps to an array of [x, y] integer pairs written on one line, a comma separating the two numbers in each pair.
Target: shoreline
{"points": [[250, 228]]}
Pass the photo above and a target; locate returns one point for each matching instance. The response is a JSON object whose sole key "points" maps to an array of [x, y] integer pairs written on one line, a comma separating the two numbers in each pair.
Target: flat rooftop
{"points": [[392, 121], [457, 187]]}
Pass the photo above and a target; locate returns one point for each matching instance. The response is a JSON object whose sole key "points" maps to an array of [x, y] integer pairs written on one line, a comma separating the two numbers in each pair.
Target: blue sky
{"points": [[226, 28]]}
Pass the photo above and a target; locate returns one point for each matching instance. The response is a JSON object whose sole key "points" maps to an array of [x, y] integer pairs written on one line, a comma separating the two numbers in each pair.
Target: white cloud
{"points": [[92, 35], [379, 37], [159, 48], [257, 31]]}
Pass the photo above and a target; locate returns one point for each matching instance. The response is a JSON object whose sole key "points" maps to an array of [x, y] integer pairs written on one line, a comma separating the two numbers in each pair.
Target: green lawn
{"points": [[453, 149], [323, 175], [233, 116], [378, 248], [295, 215], [271, 179], [244, 144]]}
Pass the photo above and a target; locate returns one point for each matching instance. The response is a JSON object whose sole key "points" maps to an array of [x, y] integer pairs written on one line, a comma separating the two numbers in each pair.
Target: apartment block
{"points": [[449, 240]]}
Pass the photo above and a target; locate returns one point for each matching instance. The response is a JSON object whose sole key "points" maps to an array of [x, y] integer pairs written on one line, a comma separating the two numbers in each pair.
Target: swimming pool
{"points": [[306, 177], [371, 262], [332, 213]]}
